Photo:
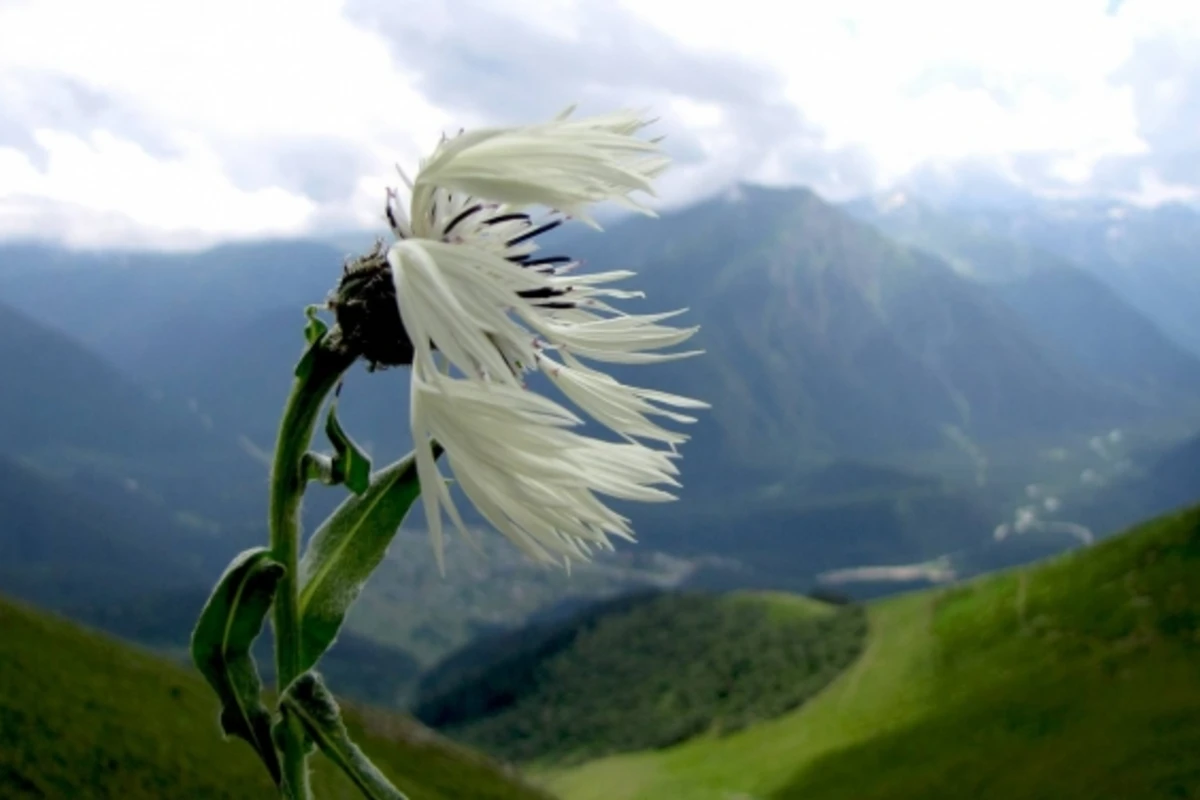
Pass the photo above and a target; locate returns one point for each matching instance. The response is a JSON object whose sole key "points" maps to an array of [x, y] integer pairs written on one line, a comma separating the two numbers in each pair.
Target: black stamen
{"points": [[454, 222], [542, 293], [538, 231], [519, 259], [505, 218], [391, 215], [562, 306]]}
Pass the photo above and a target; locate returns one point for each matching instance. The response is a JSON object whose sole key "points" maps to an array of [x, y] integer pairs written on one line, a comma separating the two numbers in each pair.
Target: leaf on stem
{"points": [[346, 549], [350, 465], [316, 327], [230, 622], [307, 700]]}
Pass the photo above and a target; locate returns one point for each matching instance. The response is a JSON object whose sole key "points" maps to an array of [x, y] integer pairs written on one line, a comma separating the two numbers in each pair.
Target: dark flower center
{"points": [[364, 302], [365, 307]]}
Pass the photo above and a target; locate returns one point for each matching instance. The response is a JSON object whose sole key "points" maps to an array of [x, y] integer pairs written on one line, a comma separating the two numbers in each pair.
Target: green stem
{"points": [[323, 367]]}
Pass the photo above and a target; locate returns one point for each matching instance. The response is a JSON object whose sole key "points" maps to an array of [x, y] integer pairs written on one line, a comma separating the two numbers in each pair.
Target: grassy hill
{"points": [[82, 716], [642, 671], [1074, 679]]}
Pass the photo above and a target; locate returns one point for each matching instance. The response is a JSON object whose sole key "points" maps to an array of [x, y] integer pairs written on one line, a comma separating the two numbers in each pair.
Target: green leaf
{"points": [[307, 700], [316, 327], [351, 465], [314, 333], [230, 622], [346, 549], [305, 364]]}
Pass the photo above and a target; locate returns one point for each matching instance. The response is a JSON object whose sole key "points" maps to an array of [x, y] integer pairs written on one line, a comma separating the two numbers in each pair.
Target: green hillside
{"points": [[1074, 679], [640, 672], [82, 716]]}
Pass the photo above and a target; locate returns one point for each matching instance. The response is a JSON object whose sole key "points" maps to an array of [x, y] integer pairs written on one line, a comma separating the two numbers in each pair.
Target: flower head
{"points": [[479, 309]]}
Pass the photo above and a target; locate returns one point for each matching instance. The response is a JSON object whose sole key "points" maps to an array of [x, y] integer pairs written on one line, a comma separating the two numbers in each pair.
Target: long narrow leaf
{"points": [[350, 465], [232, 619], [307, 700], [346, 549]]}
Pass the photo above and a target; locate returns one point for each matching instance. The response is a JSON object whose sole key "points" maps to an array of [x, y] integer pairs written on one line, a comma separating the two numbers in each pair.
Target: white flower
{"points": [[481, 310]]}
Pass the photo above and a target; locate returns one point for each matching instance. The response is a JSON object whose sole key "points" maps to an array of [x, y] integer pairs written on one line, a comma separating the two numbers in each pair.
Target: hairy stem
{"points": [[326, 363]]}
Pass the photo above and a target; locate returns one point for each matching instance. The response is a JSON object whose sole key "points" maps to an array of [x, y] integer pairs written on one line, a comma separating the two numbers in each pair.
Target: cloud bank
{"points": [[151, 123]]}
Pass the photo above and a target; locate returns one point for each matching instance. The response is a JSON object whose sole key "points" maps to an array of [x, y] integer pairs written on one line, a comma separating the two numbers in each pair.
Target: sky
{"points": [[165, 123]]}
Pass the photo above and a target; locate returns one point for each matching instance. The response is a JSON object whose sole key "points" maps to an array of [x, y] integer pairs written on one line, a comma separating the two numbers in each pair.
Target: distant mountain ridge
{"points": [[824, 337], [58, 394], [828, 345], [1149, 255], [806, 314], [1069, 305]]}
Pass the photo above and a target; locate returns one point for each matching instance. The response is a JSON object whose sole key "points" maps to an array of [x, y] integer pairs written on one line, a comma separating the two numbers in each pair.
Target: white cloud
{"points": [[211, 77], [164, 121], [944, 79]]}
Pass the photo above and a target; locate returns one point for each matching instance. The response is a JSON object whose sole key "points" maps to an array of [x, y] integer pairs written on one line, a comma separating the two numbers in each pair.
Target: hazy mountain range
{"points": [[862, 363]]}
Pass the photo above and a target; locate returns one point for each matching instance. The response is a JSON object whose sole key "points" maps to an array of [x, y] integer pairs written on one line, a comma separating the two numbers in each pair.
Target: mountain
{"points": [[72, 412], [1064, 303], [62, 545], [1149, 255], [153, 313], [805, 312], [60, 395], [608, 680], [824, 337], [827, 343], [1075, 678], [259, 357], [217, 332], [84, 716], [119, 508], [841, 516]]}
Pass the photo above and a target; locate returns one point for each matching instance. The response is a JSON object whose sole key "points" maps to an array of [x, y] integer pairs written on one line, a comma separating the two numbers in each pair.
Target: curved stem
{"points": [[320, 371]]}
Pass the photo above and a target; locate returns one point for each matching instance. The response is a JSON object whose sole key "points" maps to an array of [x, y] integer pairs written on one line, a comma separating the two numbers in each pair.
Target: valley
{"points": [[988, 687]]}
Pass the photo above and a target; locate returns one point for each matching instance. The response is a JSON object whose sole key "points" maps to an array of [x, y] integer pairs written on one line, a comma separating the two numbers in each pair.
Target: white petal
{"points": [[563, 164], [448, 296], [623, 409], [535, 480]]}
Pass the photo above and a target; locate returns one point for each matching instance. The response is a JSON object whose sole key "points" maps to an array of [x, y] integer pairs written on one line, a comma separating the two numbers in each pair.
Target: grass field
{"points": [[82, 716], [1078, 678]]}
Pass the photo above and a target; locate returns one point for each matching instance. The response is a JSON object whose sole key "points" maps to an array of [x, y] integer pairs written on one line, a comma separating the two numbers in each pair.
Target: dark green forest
{"points": [[642, 673]]}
